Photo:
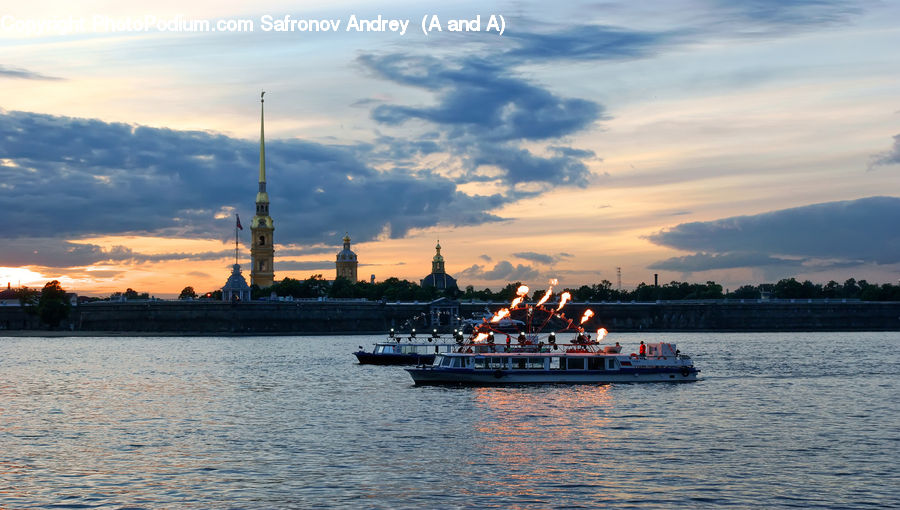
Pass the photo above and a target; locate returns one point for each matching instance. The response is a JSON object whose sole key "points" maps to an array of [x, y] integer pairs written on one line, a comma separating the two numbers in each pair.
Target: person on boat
{"points": [[643, 349]]}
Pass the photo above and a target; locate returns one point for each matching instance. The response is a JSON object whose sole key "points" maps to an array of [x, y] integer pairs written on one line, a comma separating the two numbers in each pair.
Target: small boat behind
{"points": [[409, 350]]}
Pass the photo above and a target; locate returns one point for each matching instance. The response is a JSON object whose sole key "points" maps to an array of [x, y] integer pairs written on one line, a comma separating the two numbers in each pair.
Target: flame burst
{"points": [[504, 312], [587, 315], [522, 291], [546, 296], [601, 333], [562, 300], [480, 338], [515, 302]]}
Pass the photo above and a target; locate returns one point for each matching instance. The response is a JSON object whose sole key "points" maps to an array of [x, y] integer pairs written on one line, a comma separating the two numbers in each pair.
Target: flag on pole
{"points": [[238, 216]]}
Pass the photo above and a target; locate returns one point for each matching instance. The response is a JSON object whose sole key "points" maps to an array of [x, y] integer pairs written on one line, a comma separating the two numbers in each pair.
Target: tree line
{"points": [[395, 289]]}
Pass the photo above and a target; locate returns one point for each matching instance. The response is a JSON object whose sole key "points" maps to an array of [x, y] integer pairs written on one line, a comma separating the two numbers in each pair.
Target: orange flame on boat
{"points": [[480, 338], [601, 333], [515, 302], [553, 282], [562, 300], [504, 312], [587, 315], [522, 291], [546, 296]]}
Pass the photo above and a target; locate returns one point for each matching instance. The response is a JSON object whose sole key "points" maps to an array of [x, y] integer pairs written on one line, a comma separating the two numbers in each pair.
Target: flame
{"points": [[562, 300], [587, 315], [480, 338], [522, 291], [504, 312], [601, 333], [554, 282], [515, 302], [546, 296]]}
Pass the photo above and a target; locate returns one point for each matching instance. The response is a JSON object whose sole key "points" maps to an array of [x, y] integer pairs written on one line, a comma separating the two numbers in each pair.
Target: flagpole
{"points": [[236, 240]]}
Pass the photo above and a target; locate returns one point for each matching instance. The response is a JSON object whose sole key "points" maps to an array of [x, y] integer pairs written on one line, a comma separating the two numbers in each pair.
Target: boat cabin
{"points": [[394, 348], [525, 362]]}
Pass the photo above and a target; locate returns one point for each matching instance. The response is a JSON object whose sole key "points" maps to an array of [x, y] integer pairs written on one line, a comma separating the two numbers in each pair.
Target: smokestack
{"points": [[656, 279]]}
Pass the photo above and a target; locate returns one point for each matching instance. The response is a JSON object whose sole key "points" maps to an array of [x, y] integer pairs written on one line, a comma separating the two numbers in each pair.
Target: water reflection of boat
{"points": [[480, 359], [399, 350]]}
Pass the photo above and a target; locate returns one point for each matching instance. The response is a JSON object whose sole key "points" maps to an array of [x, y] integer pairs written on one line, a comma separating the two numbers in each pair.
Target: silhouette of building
{"points": [[236, 288], [439, 277], [346, 263], [262, 247]]}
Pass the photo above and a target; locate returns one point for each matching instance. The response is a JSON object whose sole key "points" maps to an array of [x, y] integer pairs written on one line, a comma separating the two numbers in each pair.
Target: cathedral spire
{"points": [[262, 249], [262, 144]]}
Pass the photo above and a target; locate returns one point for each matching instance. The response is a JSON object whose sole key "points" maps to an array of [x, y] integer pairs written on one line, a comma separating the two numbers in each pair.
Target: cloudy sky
{"points": [[740, 142]]}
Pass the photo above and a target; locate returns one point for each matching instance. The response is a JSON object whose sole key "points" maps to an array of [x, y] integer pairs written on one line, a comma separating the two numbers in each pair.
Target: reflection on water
{"points": [[780, 420]]}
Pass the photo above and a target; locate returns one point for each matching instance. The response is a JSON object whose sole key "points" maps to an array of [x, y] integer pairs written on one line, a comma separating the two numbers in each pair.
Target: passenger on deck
{"points": [[643, 350]]}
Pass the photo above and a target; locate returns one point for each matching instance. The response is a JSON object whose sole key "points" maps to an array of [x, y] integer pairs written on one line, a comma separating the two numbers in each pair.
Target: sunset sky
{"points": [[741, 142]]}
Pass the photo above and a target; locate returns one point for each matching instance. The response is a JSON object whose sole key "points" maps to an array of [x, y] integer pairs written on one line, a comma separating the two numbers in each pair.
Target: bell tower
{"points": [[437, 263], [347, 263], [262, 249]]}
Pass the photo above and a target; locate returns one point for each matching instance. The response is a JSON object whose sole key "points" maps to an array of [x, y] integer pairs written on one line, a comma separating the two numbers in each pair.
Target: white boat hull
{"points": [[431, 375]]}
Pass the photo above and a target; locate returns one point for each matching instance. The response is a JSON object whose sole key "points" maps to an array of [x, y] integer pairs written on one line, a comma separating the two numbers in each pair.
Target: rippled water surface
{"points": [[779, 420]]}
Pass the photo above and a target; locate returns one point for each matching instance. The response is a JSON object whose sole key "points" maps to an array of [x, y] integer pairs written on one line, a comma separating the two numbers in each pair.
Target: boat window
{"points": [[446, 361], [575, 363], [612, 364], [519, 363], [554, 363], [480, 363], [596, 363], [536, 363], [495, 363], [455, 363]]}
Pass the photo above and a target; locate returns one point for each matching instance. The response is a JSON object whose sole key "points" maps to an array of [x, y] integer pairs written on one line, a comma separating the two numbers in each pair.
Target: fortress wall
{"points": [[323, 317]]}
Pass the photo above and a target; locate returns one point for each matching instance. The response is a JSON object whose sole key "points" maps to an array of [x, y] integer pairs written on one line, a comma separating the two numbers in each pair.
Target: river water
{"points": [[778, 421]]}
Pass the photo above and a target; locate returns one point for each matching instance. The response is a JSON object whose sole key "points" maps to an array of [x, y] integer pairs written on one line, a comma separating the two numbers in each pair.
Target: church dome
{"points": [[346, 255]]}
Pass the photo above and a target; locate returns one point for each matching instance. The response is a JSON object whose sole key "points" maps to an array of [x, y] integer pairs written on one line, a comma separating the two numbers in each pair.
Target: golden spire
{"points": [[262, 144], [437, 248]]}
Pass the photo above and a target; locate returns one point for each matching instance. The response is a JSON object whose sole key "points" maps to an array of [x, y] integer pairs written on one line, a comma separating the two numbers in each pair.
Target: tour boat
{"points": [[581, 362], [480, 359], [397, 350]]}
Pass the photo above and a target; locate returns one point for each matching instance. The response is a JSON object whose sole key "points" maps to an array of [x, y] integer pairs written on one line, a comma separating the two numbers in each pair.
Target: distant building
{"points": [[236, 288], [262, 246], [439, 277], [346, 263], [9, 297]]}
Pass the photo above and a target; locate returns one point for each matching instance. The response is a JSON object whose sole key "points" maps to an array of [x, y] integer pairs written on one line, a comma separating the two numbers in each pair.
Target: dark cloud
{"points": [[541, 258], [483, 113], [535, 257], [68, 177], [843, 233], [486, 258], [590, 42], [503, 270], [57, 253], [709, 261], [24, 74], [890, 157]]}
